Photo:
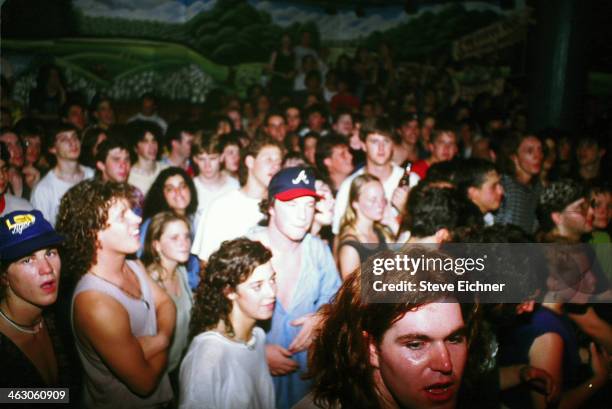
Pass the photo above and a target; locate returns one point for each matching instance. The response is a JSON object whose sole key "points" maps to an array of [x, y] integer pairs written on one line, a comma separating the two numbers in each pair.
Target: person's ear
{"points": [[157, 246], [100, 166], [372, 350], [271, 211], [229, 293], [249, 161], [556, 218], [514, 159], [442, 236], [492, 155], [471, 192], [327, 162]]}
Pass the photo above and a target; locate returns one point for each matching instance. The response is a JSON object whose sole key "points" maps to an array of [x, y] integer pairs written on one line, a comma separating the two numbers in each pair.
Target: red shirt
{"points": [[346, 101], [420, 167]]}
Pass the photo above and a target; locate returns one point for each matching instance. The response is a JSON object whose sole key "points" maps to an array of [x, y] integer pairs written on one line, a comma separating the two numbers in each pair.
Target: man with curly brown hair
{"points": [[122, 321]]}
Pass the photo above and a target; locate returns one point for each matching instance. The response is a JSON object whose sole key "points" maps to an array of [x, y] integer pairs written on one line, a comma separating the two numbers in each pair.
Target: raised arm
{"points": [[595, 327]]}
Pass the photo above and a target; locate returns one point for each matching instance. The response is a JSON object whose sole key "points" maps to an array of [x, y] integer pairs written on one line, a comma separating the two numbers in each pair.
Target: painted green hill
{"points": [[106, 60], [123, 68]]}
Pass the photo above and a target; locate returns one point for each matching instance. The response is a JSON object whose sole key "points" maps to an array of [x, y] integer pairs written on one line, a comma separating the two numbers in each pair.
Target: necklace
{"points": [[141, 298], [250, 344], [33, 329]]}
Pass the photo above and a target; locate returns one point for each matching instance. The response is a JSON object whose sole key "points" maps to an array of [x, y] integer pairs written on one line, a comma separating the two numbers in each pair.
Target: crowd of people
{"points": [[216, 260]]}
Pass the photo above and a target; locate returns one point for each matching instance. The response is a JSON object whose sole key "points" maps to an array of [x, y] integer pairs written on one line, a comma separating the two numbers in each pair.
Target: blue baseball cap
{"points": [[24, 232], [291, 183]]}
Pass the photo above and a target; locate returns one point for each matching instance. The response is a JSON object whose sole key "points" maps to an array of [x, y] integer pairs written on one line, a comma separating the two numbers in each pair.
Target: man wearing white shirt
{"points": [[377, 143], [234, 213], [66, 147], [148, 112], [144, 140]]}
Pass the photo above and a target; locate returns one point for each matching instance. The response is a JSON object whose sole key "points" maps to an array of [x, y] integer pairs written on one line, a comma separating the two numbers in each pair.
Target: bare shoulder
{"points": [[97, 311]]}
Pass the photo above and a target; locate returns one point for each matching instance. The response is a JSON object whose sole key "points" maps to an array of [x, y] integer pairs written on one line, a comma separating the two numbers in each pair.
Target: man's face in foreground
{"points": [[421, 358]]}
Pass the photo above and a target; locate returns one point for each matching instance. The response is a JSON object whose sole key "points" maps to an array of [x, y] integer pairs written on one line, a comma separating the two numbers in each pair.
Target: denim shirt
{"points": [[317, 283]]}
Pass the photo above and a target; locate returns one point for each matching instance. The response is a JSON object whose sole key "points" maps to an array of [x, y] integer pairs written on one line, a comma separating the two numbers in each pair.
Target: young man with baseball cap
{"points": [[29, 282], [306, 277]]}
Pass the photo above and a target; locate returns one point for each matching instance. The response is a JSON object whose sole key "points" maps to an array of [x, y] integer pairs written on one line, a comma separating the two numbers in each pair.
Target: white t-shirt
{"points": [[489, 219], [389, 186], [13, 203], [228, 217], [142, 181], [220, 373], [48, 193], [206, 195]]}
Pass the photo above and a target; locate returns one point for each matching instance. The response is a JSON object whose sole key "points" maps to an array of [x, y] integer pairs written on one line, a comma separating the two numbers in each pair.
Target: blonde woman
{"points": [[165, 253], [361, 232]]}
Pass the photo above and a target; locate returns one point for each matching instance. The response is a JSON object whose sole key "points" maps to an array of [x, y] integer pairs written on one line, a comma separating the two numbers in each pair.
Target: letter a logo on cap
{"points": [[300, 178]]}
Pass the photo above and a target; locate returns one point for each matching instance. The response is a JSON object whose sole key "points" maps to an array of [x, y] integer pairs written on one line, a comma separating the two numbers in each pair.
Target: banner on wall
{"points": [[494, 37]]}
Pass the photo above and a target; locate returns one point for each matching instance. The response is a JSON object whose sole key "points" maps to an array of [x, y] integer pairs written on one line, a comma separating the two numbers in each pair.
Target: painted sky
{"points": [[341, 26]]}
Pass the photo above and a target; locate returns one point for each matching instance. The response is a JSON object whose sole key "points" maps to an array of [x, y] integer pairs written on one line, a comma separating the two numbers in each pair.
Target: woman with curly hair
{"points": [[379, 349], [225, 366], [361, 226], [121, 320], [172, 191], [165, 253]]}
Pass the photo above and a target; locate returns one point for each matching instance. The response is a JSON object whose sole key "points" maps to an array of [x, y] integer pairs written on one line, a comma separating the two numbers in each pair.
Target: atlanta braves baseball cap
{"points": [[291, 183]]}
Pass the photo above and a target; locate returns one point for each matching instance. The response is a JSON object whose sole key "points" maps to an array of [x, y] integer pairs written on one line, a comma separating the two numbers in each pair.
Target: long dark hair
{"points": [[339, 361], [155, 201], [227, 267]]}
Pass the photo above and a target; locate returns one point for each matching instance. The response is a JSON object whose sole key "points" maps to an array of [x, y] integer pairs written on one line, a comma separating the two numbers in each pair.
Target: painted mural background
{"points": [[182, 49]]}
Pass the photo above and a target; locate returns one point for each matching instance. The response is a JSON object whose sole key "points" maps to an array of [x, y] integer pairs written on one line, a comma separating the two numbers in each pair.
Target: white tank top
{"points": [[102, 389]]}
